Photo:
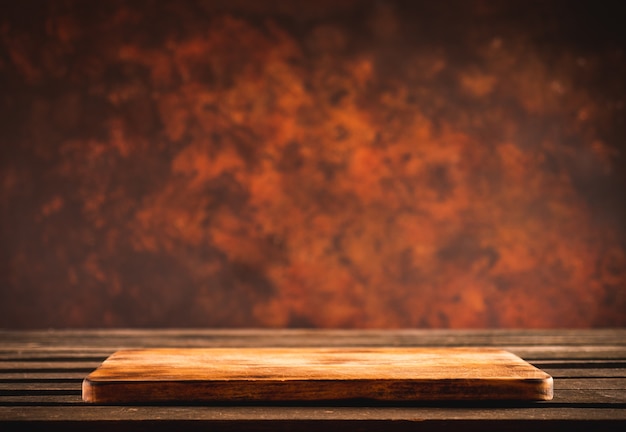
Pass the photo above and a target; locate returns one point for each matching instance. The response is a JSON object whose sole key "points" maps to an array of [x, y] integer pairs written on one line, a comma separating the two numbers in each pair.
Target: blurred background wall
{"points": [[312, 164]]}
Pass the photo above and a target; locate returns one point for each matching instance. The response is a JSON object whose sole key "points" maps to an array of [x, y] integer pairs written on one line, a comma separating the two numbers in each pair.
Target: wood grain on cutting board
{"points": [[314, 374]]}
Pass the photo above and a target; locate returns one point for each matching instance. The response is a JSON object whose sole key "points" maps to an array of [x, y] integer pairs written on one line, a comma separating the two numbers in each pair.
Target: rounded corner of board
{"points": [[88, 391], [548, 387]]}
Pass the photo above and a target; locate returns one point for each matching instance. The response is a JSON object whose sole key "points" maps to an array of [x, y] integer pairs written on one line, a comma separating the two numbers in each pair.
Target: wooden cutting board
{"points": [[314, 374]]}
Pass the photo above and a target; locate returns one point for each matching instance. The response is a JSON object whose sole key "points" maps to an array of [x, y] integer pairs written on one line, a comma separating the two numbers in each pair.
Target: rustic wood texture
{"points": [[314, 374], [41, 374]]}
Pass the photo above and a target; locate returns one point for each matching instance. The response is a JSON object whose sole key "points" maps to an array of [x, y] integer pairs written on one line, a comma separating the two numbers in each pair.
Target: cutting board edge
{"points": [[377, 390]]}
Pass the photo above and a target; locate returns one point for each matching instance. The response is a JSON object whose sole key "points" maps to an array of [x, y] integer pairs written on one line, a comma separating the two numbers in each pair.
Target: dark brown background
{"points": [[314, 163]]}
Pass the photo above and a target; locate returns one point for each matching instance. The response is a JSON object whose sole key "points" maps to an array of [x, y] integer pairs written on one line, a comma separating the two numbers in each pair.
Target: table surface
{"points": [[41, 374]]}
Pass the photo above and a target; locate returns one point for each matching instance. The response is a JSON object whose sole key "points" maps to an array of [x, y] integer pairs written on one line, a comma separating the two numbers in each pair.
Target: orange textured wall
{"points": [[325, 164]]}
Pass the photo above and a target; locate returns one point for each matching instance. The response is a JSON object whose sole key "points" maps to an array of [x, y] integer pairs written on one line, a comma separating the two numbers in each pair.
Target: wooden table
{"points": [[41, 374]]}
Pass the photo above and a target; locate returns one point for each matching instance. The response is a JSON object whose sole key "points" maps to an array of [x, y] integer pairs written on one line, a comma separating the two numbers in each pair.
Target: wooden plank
{"points": [[588, 396], [582, 363], [310, 374], [579, 397], [585, 373], [42, 376], [538, 355], [44, 386], [568, 353], [606, 398], [232, 337], [303, 414], [577, 336], [78, 353], [590, 383], [41, 400], [6, 366]]}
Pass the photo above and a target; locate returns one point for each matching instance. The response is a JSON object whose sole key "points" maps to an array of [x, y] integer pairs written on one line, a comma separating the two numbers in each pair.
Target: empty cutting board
{"points": [[314, 374]]}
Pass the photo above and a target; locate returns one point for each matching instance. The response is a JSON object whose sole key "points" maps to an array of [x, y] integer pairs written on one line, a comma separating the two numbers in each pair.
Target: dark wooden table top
{"points": [[41, 374]]}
